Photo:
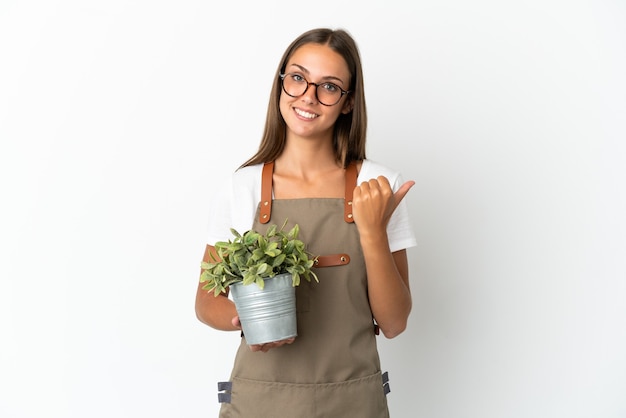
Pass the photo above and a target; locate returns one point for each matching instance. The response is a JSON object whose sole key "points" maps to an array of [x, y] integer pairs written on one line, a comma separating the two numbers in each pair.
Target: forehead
{"points": [[320, 61]]}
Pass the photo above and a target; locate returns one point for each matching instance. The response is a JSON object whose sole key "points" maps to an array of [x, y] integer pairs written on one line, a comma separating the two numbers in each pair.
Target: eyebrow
{"points": [[328, 77]]}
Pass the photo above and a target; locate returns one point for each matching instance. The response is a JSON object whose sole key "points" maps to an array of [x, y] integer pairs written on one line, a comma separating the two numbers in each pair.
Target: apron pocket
{"points": [[363, 397]]}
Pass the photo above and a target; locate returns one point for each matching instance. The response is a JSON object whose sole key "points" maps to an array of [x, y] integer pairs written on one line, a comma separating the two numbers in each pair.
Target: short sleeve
{"points": [[233, 204]]}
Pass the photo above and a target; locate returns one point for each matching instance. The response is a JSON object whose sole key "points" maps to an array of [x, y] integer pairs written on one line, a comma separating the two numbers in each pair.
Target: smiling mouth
{"points": [[304, 114]]}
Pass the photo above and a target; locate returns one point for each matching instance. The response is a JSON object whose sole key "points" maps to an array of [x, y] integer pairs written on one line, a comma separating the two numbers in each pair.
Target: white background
{"points": [[117, 117]]}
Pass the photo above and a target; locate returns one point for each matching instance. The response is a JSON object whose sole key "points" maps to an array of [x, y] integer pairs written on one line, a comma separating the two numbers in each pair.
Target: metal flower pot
{"points": [[267, 314]]}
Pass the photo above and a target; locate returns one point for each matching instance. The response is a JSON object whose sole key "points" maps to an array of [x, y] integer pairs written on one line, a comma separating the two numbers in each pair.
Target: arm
{"points": [[387, 272]]}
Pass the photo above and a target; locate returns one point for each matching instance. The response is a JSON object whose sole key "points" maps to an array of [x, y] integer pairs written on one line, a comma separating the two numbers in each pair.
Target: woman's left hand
{"points": [[373, 204]]}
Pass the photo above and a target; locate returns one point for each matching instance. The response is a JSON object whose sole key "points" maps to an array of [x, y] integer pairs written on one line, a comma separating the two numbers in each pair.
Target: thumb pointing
{"points": [[402, 191]]}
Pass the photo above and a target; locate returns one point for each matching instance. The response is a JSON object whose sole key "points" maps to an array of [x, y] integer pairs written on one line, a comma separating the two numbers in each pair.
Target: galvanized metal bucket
{"points": [[267, 314]]}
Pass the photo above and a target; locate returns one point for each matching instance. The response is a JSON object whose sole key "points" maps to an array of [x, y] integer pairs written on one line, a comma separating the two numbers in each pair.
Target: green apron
{"points": [[332, 370]]}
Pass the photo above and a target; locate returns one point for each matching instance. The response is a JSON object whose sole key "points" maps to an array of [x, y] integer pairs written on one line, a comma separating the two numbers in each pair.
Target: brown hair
{"points": [[350, 128]]}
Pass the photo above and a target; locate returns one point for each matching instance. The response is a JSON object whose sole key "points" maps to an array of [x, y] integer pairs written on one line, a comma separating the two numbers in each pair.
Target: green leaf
{"points": [[248, 278], [295, 279], [258, 254], [293, 233], [262, 269], [280, 259]]}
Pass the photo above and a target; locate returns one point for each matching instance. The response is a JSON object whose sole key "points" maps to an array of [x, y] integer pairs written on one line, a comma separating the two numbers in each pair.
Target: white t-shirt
{"points": [[235, 204]]}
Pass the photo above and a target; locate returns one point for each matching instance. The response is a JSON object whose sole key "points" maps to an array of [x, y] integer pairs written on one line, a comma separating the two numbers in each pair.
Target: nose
{"points": [[310, 94]]}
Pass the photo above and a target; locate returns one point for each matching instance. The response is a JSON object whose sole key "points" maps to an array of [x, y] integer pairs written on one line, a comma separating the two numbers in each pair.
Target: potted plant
{"points": [[261, 271]]}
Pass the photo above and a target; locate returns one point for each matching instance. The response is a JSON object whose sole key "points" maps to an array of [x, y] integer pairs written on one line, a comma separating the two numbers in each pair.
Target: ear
{"points": [[348, 105]]}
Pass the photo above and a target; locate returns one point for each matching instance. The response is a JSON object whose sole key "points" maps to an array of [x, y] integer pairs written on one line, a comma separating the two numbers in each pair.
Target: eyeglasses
{"points": [[328, 94]]}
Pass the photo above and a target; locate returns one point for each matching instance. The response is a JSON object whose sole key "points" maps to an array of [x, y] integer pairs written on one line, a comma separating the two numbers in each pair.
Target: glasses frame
{"points": [[308, 84]]}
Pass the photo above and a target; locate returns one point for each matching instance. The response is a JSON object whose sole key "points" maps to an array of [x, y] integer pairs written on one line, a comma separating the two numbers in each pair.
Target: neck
{"points": [[305, 156]]}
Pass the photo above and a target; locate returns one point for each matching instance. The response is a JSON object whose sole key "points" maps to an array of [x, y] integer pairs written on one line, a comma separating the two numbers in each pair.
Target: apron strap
{"points": [[351, 176], [266, 193], [265, 212]]}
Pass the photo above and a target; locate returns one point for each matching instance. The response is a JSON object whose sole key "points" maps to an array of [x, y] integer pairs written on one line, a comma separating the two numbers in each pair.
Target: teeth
{"points": [[305, 114]]}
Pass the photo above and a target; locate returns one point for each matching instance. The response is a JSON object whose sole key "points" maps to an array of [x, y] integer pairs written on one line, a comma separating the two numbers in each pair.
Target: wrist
{"points": [[368, 238]]}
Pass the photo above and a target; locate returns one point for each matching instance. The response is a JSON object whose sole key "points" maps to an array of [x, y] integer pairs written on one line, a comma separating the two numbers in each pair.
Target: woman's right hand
{"points": [[266, 346]]}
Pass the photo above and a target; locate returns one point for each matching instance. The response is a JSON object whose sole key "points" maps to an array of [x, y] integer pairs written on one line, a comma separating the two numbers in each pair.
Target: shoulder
{"points": [[248, 173]]}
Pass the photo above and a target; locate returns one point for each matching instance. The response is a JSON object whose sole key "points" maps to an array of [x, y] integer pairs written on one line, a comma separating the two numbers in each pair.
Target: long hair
{"points": [[350, 129]]}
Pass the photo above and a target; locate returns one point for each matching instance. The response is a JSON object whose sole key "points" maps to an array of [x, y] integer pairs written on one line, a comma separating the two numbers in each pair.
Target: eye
{"points": [[296, 77], [330, 87]]}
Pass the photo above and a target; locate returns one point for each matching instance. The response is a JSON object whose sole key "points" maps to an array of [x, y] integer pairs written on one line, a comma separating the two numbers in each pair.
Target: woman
{"points": [[313, 149]]}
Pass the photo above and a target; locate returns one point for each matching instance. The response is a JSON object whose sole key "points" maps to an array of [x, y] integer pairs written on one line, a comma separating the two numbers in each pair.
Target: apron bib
{"points": [[332, 369]]}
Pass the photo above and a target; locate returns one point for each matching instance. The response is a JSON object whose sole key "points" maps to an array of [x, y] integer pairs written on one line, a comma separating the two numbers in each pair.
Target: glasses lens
{"points": [[327, 93], [294, 85]]}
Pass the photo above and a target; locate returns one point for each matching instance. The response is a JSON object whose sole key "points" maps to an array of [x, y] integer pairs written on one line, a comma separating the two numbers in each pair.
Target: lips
{"points": [[305, 114]]}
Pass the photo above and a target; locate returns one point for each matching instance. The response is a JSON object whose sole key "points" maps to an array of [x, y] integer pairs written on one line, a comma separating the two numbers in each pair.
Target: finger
{"points": [[235, 321], [374, 186], [382, 181], [361, 188], [402, 191]]}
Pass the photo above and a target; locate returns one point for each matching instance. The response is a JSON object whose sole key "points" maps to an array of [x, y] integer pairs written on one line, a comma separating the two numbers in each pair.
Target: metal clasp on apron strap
{"points": [[224, 390]]}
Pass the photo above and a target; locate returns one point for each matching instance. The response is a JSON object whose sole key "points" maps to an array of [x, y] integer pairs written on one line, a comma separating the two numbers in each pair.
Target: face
{"points": [[304, 115]]}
